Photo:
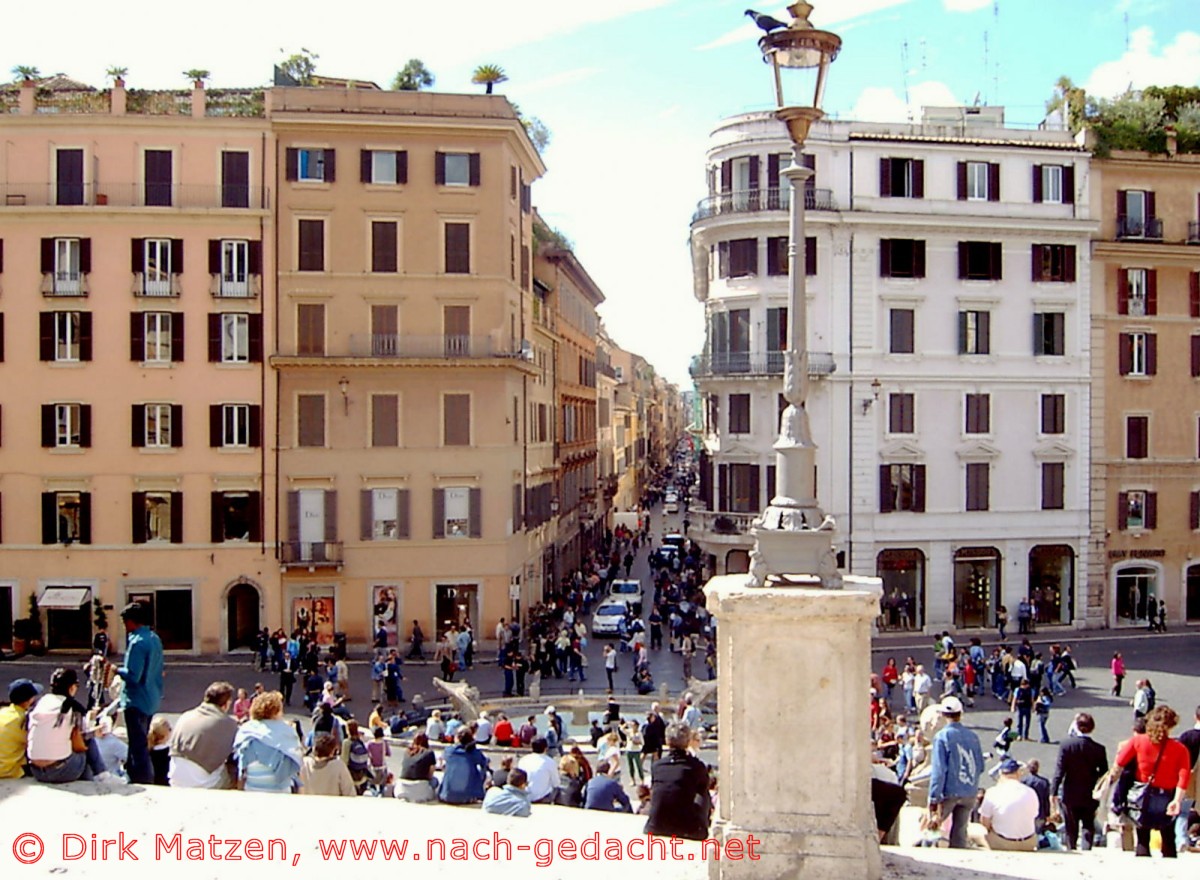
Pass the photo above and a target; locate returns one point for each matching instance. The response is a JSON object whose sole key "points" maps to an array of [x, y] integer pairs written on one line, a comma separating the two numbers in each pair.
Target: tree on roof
{"points": [[25, 71], [489, 75], [301, 66], [413, 77]]}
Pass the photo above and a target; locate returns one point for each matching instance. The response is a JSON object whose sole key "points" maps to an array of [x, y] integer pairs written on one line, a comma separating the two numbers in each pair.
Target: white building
{"points": [[947, 282]]}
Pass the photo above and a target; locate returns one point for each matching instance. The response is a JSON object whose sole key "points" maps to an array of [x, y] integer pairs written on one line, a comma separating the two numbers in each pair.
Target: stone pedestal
{"points": [[794, 740]]}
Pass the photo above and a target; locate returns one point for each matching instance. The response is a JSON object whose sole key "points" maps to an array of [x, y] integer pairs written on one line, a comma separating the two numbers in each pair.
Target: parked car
{"points": [[628, 591], [671, 503], [673, 539], [606, 621]]}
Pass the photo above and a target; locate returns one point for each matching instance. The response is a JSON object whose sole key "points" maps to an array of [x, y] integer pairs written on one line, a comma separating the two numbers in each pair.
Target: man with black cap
{"points": [[142, 673], [13, 727], [954, 775]]}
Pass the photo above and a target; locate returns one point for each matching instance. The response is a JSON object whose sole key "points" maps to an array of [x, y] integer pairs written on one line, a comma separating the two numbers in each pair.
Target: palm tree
{"points": [[24, 71], [197, 75], [1071, 101], [117, 73], [413, 77], [489, 75]]}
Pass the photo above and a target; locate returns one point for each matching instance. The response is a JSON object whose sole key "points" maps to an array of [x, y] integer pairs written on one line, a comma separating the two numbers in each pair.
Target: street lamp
{"points": [[793, 537]]}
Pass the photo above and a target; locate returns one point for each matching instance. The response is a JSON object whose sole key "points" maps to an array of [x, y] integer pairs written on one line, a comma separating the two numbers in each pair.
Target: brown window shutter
{"points": [[364, 166], [753, 175], [293, 516], [331, 508], [918, 473], [1069, 263], [85, 256], [214, 256], [366, 514], [255, 438], [176, 517], [475, 515], [1194, 511], [292, 164], [403, 529], [918, 176], [727, 176], [962, 181], [919, 258], [993, 181], [85, 425], [439, 513], [1122, 511], [885, 258], [137, 336], [1151, 354], [49, 518], [1122, 292], [216, 511], [1151, 510], [254, 502], [1194, 295], [402, 166], [47, 425], [996, 260], [177, 256], [85, 336], [137, 255], [1122, 210], [47, 256], [964, 261], [254, 334], [439, 171], [214, 338], [1125, 354], [1151, 291], [773, 173], [810, 255], [1068, 184], [885, 177], [330, 169], [137, 523], [137, 424], [1037, 252], [383, 246], [1151, 213], [473, 166], [886, 497], [962, 332], [176, 425], [254, 258], [1037, 183], [177, 337], [722, 259], [216, 425], [1196, 355]]}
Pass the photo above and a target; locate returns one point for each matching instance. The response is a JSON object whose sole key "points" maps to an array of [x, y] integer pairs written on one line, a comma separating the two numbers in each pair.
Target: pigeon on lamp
{"points": [[766, 22]]}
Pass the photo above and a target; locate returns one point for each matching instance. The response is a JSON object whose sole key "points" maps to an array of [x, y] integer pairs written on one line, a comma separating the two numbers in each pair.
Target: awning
{"points": [[63, 598]]}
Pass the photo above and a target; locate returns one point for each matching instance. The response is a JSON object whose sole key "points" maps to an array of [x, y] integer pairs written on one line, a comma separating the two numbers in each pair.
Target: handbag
{"points": [[1146, 803]]}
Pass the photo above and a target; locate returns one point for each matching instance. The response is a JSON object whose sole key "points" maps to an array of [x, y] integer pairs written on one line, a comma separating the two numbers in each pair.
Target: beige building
{"points": [[136, 290], [1145, 367]]}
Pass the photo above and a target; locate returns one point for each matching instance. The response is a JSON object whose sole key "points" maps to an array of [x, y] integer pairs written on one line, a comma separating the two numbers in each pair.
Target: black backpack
{"points": [[1151, 698]]}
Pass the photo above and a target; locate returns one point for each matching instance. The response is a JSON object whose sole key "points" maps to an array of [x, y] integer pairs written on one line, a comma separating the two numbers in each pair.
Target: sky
{"points": [[631, 89]]}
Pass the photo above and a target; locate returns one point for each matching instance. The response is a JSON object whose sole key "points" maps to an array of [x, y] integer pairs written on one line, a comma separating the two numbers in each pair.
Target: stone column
{"points": [[794, 743]]}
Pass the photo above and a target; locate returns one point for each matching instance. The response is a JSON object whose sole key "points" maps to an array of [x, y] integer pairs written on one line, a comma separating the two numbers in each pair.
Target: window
{"points": [[383, 246], [66, 517], [901, 336], [384, 330], [457, 513], [777, 255], [902, 178], [235, 338], [311, 234], [1053, 262], [234, 425], [456, 330], [1137, 510], [978, 414], [1136, 215], [310, 420], [977, 485], [1137, 354], [901, 487], [155, 337], [979, 181], [157, 427], [456, 169], [901, 258], [1054, 413], [385, 420], [158, 177], [154, 263], [235, 179], [66, 261], [1049, 334], [310, 329], [457, 248], [384, 514], [309, 164], [157, 517], [900, 414], [68, 181], [386, 167], [974, 332], [72, 339], [1137, 436], [810, 256], [68, 425], [738, 258], [979, 260], [1053, 479], [233, 261], [456, 420], [1195, 343], [236, 516], [1054, 183], [1137, 292], [739, 414]]}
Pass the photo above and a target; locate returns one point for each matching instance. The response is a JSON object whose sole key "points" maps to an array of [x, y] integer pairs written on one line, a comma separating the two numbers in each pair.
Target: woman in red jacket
{"points": [[1168, 762]]}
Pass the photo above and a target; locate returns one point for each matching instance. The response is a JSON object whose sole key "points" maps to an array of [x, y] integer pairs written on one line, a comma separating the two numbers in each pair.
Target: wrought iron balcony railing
{"points": [[776, 198], [132, 195], [1145, 229], [1193, 232], [314, 554], [760, 363]]}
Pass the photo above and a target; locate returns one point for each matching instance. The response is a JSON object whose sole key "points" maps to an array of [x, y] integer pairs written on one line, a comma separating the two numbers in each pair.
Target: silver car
{"points": [[606, 621]]}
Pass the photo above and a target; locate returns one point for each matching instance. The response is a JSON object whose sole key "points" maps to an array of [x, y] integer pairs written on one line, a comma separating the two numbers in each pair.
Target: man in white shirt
{"points": [[1017, 671], [543, 773], [483, 729], [922, 685], [1009, 811]]}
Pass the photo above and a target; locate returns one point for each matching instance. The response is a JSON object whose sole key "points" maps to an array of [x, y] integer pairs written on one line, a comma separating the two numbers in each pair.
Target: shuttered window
{"points": [[901, 331], [901, 414], [901, 258], [1053, 479], [457, 248], [978, 414], [385, 420], [311, 245], [739, 414], [310, 329], [1054, 413], [384, 246], [456, 420], [1137, 436], [978, 474], [310, 420]]}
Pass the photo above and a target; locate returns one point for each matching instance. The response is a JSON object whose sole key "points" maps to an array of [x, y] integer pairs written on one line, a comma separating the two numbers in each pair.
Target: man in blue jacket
{"points": [[604, 792], [954, 777], [142, 673]]}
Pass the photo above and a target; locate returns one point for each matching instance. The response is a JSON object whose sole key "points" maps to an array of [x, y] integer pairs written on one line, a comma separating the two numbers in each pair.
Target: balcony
{"points": [[171, 286], [64, 284], [401, 346], [232, 288], [1193, 232], [723, 527], [310, 554], [131, 195], [762, 363], [753, 201], [1134, 229]]}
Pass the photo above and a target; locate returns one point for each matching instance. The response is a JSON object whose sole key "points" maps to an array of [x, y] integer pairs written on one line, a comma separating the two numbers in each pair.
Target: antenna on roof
{"points": [[985, 64], [904, 70]]}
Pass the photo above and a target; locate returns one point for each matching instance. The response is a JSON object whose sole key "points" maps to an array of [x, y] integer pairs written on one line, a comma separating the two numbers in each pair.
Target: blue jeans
{"points": [[1181, 825], [1043, 717], [508, 682], [1023, 720], [138, 765], [78, 766]]}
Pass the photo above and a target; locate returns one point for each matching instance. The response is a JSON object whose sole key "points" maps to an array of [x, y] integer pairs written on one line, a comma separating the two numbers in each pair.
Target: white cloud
{"points": [[826, 17], [965, 5], [882, 104], [1178, 63]]}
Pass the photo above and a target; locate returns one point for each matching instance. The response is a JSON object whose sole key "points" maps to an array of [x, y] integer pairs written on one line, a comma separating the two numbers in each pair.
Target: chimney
{"points": [[27, 99], [117, 97], [198, 99]]}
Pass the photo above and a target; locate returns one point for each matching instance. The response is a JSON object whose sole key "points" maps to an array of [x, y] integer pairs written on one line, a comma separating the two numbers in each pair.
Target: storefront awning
{"points": [[63, 598]]}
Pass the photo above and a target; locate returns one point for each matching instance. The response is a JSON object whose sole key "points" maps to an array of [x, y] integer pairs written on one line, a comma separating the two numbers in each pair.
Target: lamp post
{"points": [[793, 536]]}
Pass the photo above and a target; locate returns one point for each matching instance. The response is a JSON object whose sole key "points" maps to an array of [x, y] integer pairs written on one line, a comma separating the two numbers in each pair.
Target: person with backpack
{"points": [[1044, 701], [1143, 699], [1022, 704], [357, 756]]}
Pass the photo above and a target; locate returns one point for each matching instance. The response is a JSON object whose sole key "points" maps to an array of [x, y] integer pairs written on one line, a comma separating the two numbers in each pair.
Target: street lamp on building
{"points": [[793, 536]]}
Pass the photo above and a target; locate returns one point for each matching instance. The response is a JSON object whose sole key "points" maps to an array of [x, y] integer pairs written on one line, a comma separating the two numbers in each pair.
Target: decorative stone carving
{"points": [[463, 695]]}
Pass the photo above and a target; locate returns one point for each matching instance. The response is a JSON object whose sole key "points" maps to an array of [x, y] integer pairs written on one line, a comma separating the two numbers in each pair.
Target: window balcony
{"points": [[132, 195], [762, 363], [753, 201], [445, 347], [230, 288], [171, 286], [64, 284], [721, 527], [1193, 232], [311, 554], [1133, 229]]}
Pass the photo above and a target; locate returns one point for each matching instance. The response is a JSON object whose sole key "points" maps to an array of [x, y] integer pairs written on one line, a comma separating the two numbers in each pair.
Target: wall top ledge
{"points": [[728, 596]]}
